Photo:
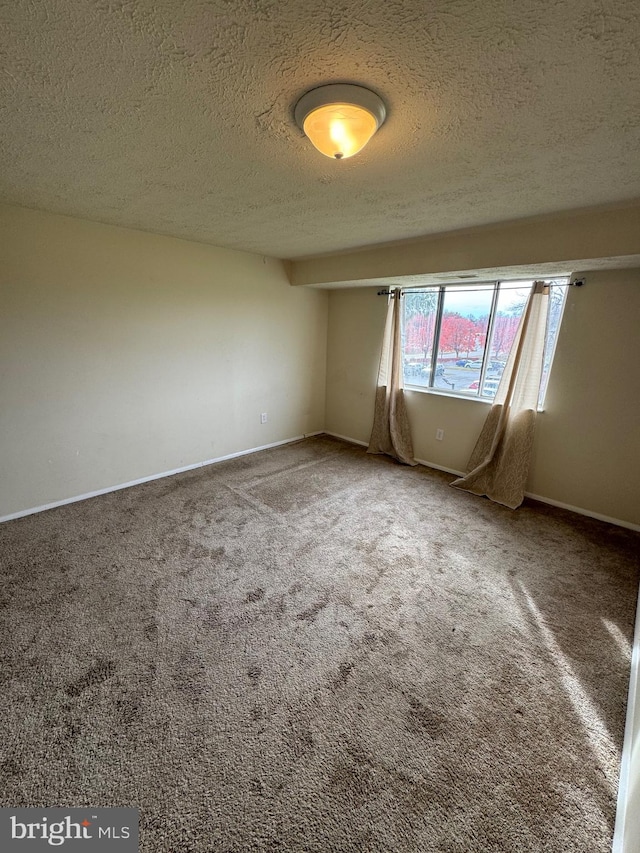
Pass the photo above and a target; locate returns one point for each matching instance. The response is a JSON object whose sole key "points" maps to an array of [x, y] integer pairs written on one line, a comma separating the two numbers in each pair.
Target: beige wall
{"points": [[587, 452], [125, 354]]}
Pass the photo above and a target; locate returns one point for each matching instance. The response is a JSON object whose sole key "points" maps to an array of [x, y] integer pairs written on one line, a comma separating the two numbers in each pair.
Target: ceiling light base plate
{"points": [[340, 93]]}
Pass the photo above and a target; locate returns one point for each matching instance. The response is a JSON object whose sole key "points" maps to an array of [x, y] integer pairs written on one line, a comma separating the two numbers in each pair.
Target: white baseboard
{"points": [[419, 461], [598, 516], [440, 467], [577, 509], [151, 477], [346, 438]]}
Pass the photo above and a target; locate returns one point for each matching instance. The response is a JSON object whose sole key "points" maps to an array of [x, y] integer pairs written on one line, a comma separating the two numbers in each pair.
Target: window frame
{"points": [[511, 284]]}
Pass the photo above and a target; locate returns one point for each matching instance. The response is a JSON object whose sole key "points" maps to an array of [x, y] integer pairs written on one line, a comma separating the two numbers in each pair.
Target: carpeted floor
{"points": [[312, 649]]}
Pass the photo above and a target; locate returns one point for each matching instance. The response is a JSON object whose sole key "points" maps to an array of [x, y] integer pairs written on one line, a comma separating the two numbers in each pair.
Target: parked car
{"points": [[489, 389], [413, 368], [439, 370]]}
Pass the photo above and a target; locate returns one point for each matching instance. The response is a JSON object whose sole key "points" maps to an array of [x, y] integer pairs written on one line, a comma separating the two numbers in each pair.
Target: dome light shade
{"points": [[340, 119]]}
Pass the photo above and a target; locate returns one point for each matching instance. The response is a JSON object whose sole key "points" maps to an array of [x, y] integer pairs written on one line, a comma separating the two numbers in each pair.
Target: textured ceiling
{"points": [[176, 117]]}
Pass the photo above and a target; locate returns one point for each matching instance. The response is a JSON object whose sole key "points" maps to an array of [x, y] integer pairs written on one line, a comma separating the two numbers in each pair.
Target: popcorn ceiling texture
{"points": [[178, 117]]}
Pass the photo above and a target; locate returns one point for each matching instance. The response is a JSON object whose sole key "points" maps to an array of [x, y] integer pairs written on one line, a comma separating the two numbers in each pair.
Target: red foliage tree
{"points": [[458, 334]]}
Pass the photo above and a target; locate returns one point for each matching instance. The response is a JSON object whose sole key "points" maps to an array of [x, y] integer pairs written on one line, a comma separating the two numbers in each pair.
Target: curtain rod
{"points": [[461, 289]]}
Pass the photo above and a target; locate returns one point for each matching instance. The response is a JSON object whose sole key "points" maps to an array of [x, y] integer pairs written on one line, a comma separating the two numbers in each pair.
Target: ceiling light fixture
{"points": [[340, 119]]}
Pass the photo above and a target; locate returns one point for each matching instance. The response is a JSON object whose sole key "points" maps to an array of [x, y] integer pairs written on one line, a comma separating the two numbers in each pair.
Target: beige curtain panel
{"points": [[499, 464], [391, 433]]}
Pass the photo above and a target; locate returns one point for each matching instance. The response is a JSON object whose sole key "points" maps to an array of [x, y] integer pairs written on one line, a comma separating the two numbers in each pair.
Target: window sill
{"points": [[420, 389], [442, 393]]}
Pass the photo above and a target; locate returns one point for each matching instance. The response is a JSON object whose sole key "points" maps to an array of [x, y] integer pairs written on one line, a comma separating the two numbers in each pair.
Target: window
{"points": [[456, 338]]}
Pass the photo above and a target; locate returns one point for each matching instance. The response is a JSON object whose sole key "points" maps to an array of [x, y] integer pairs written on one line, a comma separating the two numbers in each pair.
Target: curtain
{"points": [[391, 433], [499, 464]]}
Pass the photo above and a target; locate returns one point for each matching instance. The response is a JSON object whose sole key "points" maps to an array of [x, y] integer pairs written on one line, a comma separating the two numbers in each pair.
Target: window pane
{"points": [[419, 323], [445, 330], [512, 298], [463, 334], [557, 298]]}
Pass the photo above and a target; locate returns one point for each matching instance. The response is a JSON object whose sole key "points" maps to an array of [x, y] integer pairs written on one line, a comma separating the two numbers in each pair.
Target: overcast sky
{"points": [[476, 300]]}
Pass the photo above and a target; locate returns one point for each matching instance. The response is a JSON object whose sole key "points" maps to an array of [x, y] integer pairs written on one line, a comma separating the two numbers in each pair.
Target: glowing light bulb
{"points": [[340, 118], [340, 130]]}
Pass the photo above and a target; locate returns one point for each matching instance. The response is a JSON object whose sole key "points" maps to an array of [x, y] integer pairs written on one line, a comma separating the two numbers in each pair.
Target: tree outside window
{"points": [[449, 325]]}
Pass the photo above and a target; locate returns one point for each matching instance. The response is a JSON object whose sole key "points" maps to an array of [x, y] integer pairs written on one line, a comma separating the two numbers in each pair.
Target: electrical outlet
{"points": [[263, 418], [439, 434]]}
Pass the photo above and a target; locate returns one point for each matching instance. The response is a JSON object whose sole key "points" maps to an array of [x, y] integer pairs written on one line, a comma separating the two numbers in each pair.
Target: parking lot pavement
{"points": [[452, 378]]}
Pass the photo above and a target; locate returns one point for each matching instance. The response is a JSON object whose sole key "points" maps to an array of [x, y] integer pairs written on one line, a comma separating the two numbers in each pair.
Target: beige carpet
{"points": [[312, 649]]}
